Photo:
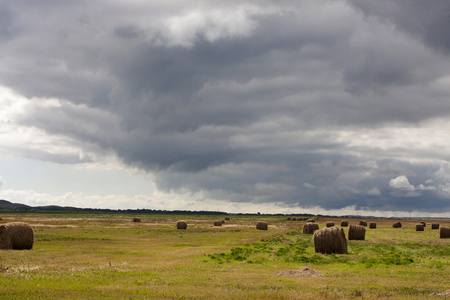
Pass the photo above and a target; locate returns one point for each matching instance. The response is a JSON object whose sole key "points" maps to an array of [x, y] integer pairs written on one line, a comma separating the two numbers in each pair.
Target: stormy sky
{"points": [[239, 106]]}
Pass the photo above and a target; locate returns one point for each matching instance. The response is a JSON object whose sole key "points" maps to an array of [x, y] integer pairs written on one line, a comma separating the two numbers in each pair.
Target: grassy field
{"points": [[94, 256]]}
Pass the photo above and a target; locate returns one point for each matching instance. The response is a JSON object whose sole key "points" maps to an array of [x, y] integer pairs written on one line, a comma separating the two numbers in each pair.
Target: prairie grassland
{"points": [[95, 256]]}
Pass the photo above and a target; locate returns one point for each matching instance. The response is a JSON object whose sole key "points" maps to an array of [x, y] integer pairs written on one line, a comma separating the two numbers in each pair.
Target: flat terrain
{"points": [[100, 256]]}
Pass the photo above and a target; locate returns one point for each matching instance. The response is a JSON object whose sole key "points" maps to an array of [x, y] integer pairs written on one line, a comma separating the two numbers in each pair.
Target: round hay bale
{"points": [[434, 225], [181, 225], [330, 224], [310, 221], [217, 223], [397, 225], [444, 232], [136, 220], [261, 226], [363, 223], [356, 232], [294, 219], [419, 227], [344, 223], [309, 228], [289, 219], [330, 240], [227, 219], [423, 223], [17, 236], [372, 225]]}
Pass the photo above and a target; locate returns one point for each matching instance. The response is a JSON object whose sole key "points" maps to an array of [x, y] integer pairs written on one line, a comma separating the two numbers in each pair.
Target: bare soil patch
{"points": [[446, 294], [306, 272]]}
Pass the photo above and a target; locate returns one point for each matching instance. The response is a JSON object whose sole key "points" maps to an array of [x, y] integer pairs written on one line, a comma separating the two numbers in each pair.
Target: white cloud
{"points": [[402, 188], [424, 188], [163, 201], [401, 182], [19, 139], [214, 24]]}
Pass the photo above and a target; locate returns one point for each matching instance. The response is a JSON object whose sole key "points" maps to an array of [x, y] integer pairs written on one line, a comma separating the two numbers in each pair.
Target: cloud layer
{"points": [[307, 104]]}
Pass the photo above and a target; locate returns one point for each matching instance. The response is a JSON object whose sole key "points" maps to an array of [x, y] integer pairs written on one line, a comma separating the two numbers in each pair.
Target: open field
{"points": [[100, 256]]}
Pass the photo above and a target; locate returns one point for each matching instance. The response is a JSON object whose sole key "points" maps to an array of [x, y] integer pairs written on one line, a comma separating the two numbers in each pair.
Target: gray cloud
{"points": [[426, 21], [8, 28], [253, 106]]}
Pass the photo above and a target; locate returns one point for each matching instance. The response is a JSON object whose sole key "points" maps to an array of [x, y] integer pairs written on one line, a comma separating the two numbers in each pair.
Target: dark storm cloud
{"points": [[253, 106], [427, 21]]}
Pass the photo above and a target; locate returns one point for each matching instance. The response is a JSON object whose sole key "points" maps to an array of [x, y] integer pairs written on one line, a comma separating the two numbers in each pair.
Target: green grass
{"points": [[95, 256]]}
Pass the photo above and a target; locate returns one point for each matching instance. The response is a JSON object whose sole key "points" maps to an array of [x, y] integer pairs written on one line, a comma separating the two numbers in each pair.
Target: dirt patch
{"points": [[306, 272], [446, 294], [53, 226]]}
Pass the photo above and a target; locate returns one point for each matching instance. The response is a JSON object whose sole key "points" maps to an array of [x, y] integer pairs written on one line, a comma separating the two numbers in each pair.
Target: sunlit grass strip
{"points": [[298, 248]]}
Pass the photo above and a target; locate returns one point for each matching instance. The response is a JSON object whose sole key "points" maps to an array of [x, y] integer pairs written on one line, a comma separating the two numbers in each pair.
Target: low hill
{"points": [[9, 206], [6, 206]]}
